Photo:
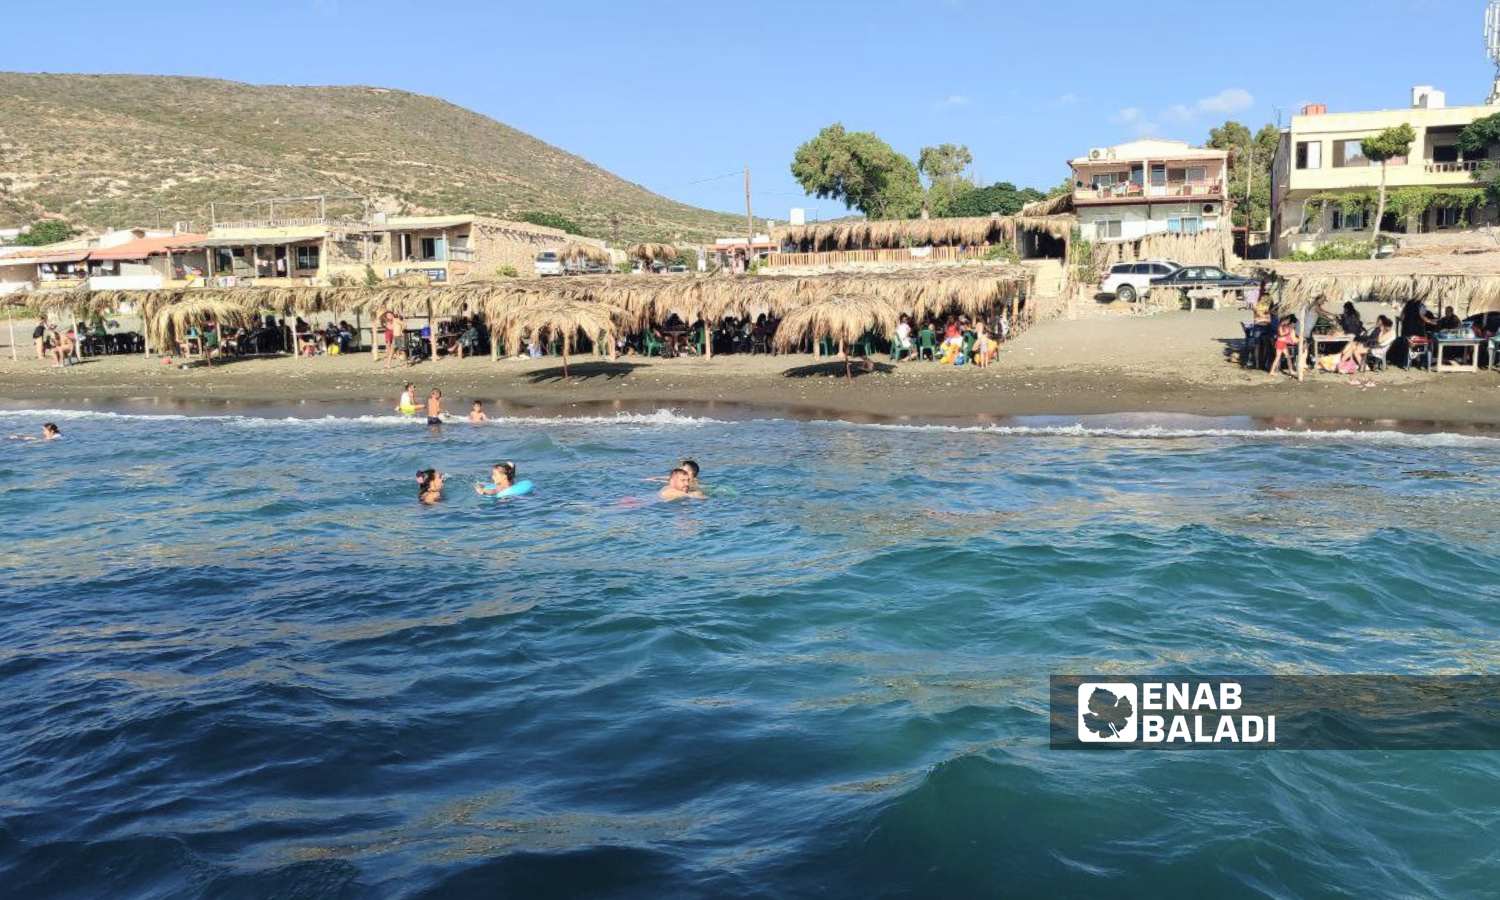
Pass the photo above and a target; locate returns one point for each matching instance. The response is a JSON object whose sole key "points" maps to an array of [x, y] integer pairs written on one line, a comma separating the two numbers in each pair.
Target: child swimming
{"points": [[429, 486], [503, 482], [50, 432], [476, 413]]}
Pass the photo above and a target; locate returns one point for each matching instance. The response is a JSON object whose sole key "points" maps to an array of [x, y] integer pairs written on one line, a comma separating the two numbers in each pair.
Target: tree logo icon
{"points": [[1107, 712]]}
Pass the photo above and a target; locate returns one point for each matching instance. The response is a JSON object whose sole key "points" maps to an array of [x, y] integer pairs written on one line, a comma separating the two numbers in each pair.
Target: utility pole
{"points": [[749, 221]]}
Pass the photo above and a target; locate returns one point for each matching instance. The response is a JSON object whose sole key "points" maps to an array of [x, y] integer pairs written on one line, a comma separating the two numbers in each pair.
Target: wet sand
{"points": [[1170, 363]]}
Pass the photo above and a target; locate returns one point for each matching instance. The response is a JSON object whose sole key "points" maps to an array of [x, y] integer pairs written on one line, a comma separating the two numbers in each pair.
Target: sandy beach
{"points": [[1167, 363]]}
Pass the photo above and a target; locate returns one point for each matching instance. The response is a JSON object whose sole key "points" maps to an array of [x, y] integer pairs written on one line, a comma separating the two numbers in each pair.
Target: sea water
{"points": [[239, 659]]}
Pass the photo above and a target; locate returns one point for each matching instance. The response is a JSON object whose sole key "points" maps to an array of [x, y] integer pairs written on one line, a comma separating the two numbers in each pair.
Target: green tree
{"points": [[1063, 187], [1475, 141], [1249, 179], [47, 231], [861, 170], [1002, 197], [1381, 148], [944, 167], [552, 220]]}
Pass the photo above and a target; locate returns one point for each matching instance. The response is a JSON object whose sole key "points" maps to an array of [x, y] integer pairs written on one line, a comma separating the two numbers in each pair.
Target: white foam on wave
{"points": [[672, 418]]}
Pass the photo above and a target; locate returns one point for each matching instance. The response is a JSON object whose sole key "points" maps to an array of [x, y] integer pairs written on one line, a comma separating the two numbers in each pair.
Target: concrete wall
{"points": [[1139, 220]]}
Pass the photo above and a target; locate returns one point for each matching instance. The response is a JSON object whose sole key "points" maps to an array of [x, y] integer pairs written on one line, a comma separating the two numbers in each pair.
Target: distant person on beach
{"points": [[408, 403], [476, 413], [1350, 322], [903, 337], [429, 486], [39, 337], [680, 486], [435, 407], [1287, 338], [50, 432]]}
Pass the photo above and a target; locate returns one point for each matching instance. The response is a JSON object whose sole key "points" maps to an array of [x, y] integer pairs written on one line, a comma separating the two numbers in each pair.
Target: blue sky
{"points": [[686, 93]]}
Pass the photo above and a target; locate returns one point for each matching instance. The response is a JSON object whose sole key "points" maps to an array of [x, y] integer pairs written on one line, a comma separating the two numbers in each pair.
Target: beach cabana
{"points": [[576, 252], [844, 318], [649, 253], [559, 316]]}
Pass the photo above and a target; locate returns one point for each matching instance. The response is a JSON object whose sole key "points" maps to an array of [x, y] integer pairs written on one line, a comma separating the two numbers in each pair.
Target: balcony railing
{"points": [[1133, 191], [461, 254], [1468, 165]]}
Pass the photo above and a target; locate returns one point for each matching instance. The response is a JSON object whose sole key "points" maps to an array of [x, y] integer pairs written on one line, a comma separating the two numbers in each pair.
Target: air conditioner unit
{"points": [[1099, 153], [1209, 207]]}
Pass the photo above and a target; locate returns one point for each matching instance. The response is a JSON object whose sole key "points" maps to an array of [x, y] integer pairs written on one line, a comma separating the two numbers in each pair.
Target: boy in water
{"points": [[476, 413], [679, 486], [435, 407], [691, 467]]}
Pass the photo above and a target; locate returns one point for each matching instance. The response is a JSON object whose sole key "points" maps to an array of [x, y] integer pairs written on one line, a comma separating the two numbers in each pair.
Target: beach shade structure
{"points": [[511, 320], [890, 234], [11, 303], [651, 253], [167, 324], [845, 319], [578, 251]]}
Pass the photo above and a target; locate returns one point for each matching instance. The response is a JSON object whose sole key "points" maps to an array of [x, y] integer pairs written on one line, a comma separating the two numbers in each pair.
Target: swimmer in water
{"points": [[502, 478], [435, 407], [429, 486], [476, 413], [50, 432], [680, 486], [407, 404], [691, 466]]}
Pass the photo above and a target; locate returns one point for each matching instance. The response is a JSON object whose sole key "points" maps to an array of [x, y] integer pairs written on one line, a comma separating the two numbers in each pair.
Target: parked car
{"points": [[676, 268], [1127, 281], [1203, 276], [548, 263]]}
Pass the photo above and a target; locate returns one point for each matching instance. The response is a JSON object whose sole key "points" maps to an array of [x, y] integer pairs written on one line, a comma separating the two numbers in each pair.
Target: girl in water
{"points": [[407, 404], [429, 486], [503, 482]]}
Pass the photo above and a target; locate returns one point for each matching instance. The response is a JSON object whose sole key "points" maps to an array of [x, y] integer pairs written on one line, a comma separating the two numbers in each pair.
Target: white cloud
{"points": [[1068, 99], [1229, 100], [1127, 116], [952, 100]]}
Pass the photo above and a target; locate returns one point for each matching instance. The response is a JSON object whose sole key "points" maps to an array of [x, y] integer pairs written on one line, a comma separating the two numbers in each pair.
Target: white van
{"points": [[548, 263]]}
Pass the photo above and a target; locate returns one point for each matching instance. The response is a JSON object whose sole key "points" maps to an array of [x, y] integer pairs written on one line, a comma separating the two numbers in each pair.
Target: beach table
{"points": [[1320, 340], [1469, 361], [676, 339]]}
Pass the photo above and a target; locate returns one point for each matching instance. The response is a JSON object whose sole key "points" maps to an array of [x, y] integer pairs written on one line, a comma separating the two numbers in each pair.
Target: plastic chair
{"points": [[898, 352], [1419, 348], [826, 347], [927, 344], [650, 346]]}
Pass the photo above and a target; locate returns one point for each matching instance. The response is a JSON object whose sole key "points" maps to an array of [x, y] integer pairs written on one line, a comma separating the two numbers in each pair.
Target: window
{"points": [[1445, 217], [307, 256], [1108, 228], [1122, 269], [1158, 174], [1348, 154], [1184, 224], [429, 248], [1309, 154], [1141, 269], [1197, 174], [1348, 221], [1159, 269], [1448, 154]]}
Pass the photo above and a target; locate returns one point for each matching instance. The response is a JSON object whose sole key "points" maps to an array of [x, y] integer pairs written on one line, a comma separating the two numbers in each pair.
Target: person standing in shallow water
{"points": [[435, 407]]}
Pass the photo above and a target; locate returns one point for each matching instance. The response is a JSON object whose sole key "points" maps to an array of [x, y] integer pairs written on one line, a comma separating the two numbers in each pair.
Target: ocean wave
{"points": [[667, 417]]}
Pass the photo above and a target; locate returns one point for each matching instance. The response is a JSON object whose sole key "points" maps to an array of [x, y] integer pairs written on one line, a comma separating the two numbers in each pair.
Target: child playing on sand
{"points": [[476, 413], [1287, 339]]}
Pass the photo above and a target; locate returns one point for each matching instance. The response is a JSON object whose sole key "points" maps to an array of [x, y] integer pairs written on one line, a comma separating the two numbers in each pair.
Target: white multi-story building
{"points": [[1146, 187]]}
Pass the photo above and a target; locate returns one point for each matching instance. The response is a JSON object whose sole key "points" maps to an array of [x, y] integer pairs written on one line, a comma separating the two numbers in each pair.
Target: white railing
{"points": [[1468, 165], [1132, 190]]}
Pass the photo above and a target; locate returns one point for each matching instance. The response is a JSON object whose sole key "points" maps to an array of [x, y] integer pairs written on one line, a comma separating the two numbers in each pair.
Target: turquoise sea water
{"points": [[238, 659]]}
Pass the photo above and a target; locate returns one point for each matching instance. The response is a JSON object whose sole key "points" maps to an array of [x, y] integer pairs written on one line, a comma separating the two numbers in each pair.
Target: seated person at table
{"points": [[903, 337], [1378, 338], [1449, 320], [680, 486], [1350, 321], [1286, 339]]}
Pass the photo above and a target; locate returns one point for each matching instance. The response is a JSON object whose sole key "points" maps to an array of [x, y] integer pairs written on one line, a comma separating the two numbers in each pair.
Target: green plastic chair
{"points": [[897, 354], [826, 347], [970, 339], [650, 346], [927, 343], [866, 343]]}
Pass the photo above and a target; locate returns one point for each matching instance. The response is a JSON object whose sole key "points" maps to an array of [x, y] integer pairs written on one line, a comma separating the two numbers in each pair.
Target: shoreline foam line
{"points": [[671, 418]]}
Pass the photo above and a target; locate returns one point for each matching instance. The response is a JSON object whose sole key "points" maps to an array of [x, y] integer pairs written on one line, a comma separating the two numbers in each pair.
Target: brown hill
{"points": [[138, 150]]}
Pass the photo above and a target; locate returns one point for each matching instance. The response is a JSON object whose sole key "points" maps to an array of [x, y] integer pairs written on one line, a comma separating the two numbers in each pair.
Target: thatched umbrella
{"points": [[577, 250], [175, 319], [562, 316], [10, 303], [844, 318], [649, 252]]}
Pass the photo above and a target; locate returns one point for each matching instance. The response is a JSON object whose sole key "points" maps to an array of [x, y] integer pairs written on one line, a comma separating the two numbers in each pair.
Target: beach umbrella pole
{"points": [[10, 322]]}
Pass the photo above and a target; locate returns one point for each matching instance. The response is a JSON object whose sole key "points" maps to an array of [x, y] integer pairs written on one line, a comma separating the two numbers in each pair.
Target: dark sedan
{"points": [[1203, 277]]}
